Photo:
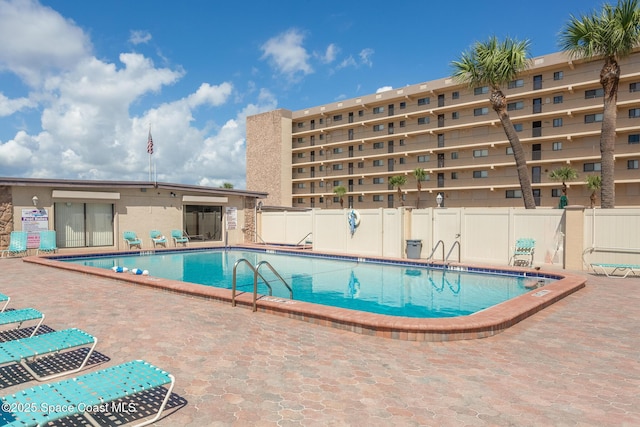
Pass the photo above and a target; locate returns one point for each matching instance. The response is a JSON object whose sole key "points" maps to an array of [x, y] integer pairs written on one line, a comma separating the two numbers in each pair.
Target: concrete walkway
{"points": [[575, 363]]}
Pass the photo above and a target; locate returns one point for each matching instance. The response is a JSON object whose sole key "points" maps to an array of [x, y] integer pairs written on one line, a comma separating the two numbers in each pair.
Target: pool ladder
{"points": [[256, 273], [441, 243]]}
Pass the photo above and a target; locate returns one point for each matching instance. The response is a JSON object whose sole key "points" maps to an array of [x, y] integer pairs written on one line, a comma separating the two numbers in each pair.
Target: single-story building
{"points": [[92, 215]]}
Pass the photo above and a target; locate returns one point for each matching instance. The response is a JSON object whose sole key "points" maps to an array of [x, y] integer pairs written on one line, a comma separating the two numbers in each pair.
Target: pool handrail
{"points": [[438, 243], [256, 273]]}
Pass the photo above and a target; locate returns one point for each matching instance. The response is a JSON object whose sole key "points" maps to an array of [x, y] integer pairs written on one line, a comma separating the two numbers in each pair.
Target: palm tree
{"points": [[594, 183], [420, 176], [564, 174], [611, 35], [398, 181], [494, 64], [227, 185], [340, 191]]}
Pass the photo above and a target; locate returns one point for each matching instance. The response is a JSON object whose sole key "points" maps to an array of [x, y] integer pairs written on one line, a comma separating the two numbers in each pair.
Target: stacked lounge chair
{"points": [[98, 390]]}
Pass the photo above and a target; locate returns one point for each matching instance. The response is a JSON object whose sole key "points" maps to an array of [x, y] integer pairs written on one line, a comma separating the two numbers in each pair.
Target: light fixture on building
{"points": [[439, 199], [172, 194], [34, 199]]}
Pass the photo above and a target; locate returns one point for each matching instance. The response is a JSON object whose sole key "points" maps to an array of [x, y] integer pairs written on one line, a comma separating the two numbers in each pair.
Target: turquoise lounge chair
{"points": [[47, 242], [21, 316], [4, 299], [77, 396], [17, 244], [157, 238], [523, 253], [131, 239], [29, 349], [178, 237]]}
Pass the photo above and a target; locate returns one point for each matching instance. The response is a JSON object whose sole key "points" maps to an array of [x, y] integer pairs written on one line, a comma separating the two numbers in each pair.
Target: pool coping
{"points": [[486, 323]]}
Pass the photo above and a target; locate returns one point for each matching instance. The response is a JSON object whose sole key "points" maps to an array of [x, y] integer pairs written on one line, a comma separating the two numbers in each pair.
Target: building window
{"points": [[455, 95], [321, 184], [557, 123], [593, 93], [300, 170], [634, 138], [480, 153], [518, 127], [337, 150], [423, 120], [300, 140], [321, 121], [558, 75], [301, 185], [454, 175], [378, 163], [558, 99], [361, 198], [300, 125], [455, 115], [509, 151], [423, 159], [301, 155], [403, 123], [378, 180], [378, 198], [632, 164], [360, 165], [634, 87], [337, 183], [85, 224], [378, 128], [592, 118], [591, 167], [300, 200], [454, 155], [378, 145], [401, 142], [360, 113], [481, 111], [424, 101], [378, 110], [519, 105], [403, 105], [441, 140], [480, 174], [337, 167], [337, 117], [481, 90], [634, 113], [402, 160], [513, 194], [556, 146], [537, 82], [556, 192], [515, 83]]}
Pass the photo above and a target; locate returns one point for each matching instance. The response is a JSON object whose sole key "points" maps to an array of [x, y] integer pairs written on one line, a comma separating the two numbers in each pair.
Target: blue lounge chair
{"points": [[77, 396], [17, 244], [47, 242], [157, 238], [4, 299], [523, 253], [610, 270], [21, 316], [179, 237], [29, 349], [131, 239]]}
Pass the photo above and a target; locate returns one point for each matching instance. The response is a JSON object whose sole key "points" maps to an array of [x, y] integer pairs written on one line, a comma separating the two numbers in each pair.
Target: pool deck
{"points": [[573, 363]]}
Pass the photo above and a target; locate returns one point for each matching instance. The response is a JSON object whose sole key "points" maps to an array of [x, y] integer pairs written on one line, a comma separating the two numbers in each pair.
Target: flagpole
{"points": [[150, 151]]}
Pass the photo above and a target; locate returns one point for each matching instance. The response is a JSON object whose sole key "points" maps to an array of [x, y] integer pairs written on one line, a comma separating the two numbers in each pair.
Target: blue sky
{"points": [[82, 81]]}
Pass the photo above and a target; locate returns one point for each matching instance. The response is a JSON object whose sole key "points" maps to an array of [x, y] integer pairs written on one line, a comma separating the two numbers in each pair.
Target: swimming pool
{"points": [[374, 286]]}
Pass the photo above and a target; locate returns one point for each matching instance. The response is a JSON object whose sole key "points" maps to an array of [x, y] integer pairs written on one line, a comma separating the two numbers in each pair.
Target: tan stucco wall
{"points": [[268, 158], [139, 210]]}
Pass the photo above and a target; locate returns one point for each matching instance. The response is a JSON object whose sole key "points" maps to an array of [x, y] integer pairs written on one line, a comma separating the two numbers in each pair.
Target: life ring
{"points": [[353, 219]]}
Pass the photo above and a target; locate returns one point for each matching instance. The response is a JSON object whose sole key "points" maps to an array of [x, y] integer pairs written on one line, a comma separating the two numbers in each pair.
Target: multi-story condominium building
{"points": [[451, 132]]}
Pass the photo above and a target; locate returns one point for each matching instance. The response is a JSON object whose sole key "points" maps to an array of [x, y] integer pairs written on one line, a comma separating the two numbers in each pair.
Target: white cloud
{"points": [[384, 89], [37, 41], [286, 53], [139, 37], [330, 54], [95, 114], [365, 56]]}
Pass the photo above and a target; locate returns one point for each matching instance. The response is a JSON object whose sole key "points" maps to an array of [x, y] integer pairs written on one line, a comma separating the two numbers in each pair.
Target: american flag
{"points": [[150, 144]]}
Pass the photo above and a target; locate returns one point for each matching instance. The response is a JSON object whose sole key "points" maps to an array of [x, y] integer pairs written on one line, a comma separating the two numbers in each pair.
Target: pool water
{"points": [[385, 288]]}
